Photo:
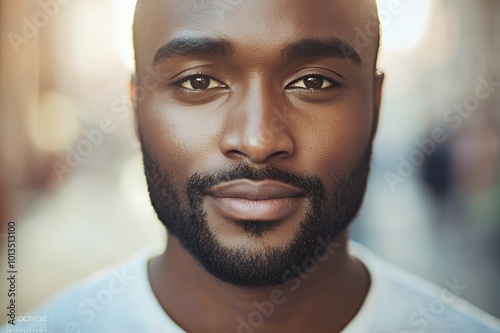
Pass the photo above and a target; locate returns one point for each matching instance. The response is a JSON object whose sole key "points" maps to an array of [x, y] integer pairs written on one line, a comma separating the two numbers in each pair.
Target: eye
{"points": [[200, 82], [313, 82]]}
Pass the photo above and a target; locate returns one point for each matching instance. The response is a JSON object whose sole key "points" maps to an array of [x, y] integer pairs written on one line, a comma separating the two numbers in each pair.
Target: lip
{"points": [[266, 200]]}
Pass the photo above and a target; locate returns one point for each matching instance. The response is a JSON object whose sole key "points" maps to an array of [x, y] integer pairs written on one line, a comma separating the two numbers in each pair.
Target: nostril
{"points": [[282, 153], [236, 153]]}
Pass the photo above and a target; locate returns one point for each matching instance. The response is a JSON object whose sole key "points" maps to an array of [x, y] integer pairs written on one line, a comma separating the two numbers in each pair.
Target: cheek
{"points": [[179, 138], [333, 143]]}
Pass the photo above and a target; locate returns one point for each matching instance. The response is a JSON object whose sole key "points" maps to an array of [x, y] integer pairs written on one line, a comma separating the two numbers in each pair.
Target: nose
{"points": [[257, 129]]}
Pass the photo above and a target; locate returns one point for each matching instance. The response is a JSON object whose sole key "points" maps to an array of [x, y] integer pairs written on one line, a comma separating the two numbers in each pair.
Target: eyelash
{"points": [[333, 83], [188, 78]]}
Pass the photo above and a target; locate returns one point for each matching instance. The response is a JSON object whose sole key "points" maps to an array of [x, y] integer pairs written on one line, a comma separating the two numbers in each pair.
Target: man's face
{"points": [[257, 141]]}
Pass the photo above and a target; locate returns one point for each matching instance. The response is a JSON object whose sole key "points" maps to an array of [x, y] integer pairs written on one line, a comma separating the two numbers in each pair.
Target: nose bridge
{"points": [[257, 108], [257, 128]]}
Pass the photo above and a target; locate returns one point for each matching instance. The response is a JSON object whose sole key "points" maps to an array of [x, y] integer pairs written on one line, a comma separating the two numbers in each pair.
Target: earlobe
{"points": [[135, 105]]}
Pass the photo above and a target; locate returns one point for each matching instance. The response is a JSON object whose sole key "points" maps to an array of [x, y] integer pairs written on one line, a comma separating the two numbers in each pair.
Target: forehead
{"points": [[256, 25]]}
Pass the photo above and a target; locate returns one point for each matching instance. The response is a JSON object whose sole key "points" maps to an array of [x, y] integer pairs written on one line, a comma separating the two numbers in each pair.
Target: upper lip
{"points": [[255, 190]]}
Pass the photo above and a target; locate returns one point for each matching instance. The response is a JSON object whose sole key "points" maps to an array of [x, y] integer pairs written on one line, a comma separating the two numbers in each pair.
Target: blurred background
{"points": [[70, 167]]}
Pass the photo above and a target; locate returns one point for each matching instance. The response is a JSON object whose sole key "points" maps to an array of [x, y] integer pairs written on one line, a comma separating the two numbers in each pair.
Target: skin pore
{"points": [[270, 90]]}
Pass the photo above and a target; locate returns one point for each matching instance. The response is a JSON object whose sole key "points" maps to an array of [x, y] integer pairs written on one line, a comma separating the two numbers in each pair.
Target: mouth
{"points": [[247, 200]]}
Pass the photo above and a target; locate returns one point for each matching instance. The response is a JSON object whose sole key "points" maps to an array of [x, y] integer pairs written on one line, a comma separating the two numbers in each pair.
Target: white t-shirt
{"points": [[121, 300]]}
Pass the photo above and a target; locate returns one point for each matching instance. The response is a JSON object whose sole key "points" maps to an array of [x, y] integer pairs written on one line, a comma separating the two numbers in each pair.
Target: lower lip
{"points": [[256, 210]]}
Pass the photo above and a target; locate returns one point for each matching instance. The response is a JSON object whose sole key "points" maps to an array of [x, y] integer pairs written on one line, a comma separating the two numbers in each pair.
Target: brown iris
{"points": [[313, 82], [200, 82]]}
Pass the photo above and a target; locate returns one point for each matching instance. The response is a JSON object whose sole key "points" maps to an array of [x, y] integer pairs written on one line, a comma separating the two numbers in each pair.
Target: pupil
{"points": [[200, 82], [313, 82]]}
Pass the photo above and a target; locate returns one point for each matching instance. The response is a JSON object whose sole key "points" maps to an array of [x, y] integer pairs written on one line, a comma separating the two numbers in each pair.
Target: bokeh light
{"points": [[404, 23]]}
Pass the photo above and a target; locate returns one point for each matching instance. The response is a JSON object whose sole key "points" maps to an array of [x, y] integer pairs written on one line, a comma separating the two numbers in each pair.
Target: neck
{"points": [[323, 299]]}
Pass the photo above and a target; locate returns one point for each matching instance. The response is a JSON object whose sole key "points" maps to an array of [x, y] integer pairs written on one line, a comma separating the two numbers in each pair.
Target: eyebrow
{"points": [[193, 46], [329, 48], [214, 47]]}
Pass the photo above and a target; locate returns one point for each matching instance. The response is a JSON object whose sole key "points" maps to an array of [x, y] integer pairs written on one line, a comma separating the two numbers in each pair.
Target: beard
{"points": [[327, 215]]}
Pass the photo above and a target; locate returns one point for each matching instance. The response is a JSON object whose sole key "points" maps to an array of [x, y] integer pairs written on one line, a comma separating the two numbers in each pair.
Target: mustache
{"points": [[199, 183]]}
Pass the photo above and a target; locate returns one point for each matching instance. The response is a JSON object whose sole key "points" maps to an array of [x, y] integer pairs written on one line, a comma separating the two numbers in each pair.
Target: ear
{"points": [[135, 105], [378, 82]]}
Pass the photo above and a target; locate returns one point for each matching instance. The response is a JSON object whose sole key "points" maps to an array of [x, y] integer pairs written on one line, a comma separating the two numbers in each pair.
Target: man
{"points": [[256, 120]]}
